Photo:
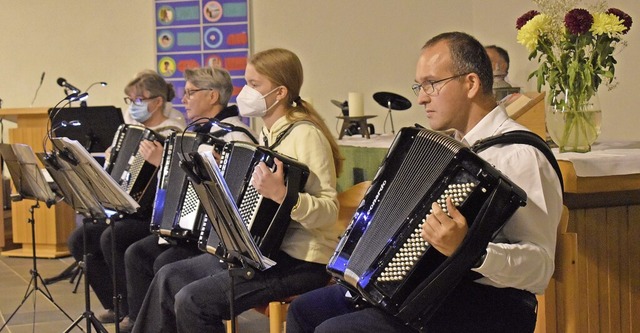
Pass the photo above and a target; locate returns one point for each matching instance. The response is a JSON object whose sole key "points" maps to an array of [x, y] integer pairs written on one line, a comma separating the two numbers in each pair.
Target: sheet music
{"points": [[100, 183], [231, 229], [72, 188], [26, 174]]}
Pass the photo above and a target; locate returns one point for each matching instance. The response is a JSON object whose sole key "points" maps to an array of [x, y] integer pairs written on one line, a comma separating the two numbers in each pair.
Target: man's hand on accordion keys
{"points": [[270, 184], [444, 230], [151, 151]]}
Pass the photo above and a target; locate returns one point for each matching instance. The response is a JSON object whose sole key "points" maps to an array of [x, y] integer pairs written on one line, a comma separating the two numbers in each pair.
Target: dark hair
{"points": [[501, 52], [468, 56]]}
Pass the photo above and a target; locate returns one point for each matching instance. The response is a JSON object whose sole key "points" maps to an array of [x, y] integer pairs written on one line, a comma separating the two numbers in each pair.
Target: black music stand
{"points": [[78, 196], [98, 125], [30, 184], [238, 249], [105, 190]]}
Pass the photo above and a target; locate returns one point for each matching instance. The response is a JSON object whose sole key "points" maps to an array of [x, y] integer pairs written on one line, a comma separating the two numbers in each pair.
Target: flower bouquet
{"points": [[575, 51]]}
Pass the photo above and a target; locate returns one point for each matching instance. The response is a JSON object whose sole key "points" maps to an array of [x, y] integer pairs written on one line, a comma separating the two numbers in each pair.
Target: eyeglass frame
{"points": [[137, 101], [435, 92], [189, 92]]}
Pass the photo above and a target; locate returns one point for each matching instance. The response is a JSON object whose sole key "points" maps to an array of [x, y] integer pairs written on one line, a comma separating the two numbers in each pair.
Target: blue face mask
{"points": [[140, 113]]}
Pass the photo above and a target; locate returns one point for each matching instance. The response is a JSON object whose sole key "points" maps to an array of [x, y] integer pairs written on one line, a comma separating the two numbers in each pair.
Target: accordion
{"points": [[177, 212], [128, 168], [383, 258], [266, 220]]}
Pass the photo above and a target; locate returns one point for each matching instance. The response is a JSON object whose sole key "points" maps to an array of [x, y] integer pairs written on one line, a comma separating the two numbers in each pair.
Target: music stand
{"points": [[105, 189], [98, 125], [30, 184], [239, 250], [79, 196]]}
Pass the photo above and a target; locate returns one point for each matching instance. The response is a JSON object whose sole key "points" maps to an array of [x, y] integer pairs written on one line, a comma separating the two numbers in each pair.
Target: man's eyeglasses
{"points": [[429, 87], [138, 100], [189, 92]]}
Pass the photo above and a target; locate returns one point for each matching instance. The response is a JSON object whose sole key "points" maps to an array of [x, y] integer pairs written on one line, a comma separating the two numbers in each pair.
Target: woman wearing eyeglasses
{"points": [[148, 98], [206, 94], [192, 295]]}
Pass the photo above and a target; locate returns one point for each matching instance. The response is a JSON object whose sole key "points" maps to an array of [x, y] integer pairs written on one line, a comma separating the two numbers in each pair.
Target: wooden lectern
{"points": [[528, 110], [53, 225]]}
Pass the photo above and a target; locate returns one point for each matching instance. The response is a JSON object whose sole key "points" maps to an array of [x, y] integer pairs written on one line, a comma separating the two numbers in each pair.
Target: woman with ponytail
{"points": [[192, 295]]}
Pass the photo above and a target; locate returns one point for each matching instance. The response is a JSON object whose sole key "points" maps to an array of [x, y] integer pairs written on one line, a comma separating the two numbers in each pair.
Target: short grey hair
{"points": [[214, 78]]}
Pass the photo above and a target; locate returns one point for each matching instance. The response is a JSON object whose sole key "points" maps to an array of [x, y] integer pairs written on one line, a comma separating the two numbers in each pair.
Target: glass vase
{"points": [[574, 125]]}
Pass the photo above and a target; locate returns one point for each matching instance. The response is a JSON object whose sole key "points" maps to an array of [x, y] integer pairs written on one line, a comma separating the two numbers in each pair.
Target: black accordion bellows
{"points": [[266, 220], [128, 168], [382, 256], [177, 212]]}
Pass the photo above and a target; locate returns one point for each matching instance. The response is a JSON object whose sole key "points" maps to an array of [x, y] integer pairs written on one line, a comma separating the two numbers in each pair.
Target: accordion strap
{"points": [[521, 137], [227, 127], [282, 134]]}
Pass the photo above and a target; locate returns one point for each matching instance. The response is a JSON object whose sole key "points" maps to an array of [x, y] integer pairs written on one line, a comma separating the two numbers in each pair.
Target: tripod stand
{"points": [[78, 196], [30, 184], [35, 276], [97, 191], [87, 314]]}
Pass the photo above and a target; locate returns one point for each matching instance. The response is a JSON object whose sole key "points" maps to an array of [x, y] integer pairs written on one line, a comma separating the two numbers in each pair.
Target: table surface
{"points": [[357, 117], [608, 158]]}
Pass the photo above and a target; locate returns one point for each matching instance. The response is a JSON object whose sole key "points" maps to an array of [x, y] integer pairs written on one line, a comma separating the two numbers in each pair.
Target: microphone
{"points": [[63, 83], [37, 89], [102, 83]]}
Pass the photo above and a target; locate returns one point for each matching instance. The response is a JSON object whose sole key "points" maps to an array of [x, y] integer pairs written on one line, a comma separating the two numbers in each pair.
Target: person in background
{"points": [[207, 92], [499, 61], [500, 65], [192, 295], [453, 83], [147, 96]]}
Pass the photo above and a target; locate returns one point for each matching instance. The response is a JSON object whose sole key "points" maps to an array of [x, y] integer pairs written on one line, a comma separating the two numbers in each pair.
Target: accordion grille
{"points": [[426, 159]]}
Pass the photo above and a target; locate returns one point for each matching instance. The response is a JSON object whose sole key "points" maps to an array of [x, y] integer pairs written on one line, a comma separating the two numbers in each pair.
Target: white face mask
{"points": [[252, 103]]}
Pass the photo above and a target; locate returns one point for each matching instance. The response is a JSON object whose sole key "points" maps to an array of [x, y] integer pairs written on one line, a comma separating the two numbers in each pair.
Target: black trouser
{"points": [[471, 307], [102, 257], [143, 259]]}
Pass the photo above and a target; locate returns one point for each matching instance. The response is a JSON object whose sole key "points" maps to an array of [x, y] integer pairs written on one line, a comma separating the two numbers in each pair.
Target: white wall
{"points": [[345, 45]]}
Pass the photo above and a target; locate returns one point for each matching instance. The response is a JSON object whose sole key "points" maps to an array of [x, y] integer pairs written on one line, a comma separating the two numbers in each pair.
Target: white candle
{"points": [[356, 104]]}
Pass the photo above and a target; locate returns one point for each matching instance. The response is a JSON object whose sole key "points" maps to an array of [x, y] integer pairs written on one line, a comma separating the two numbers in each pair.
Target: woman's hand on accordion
{"points": [[270, 184], [445, 231], [151, 151]]}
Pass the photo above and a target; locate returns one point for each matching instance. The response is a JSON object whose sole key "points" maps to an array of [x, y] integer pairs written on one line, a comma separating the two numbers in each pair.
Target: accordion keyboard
{"points": [[414, 247], [129, 176], [249, 205]]}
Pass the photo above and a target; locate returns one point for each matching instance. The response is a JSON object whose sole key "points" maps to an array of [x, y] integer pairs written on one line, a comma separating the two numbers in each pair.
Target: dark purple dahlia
{"points": [[624, 17], [522, 20], [578, 21]]}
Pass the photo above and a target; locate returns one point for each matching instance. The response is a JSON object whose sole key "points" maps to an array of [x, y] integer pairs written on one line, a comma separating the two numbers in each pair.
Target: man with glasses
{"points": [[454, 84]]}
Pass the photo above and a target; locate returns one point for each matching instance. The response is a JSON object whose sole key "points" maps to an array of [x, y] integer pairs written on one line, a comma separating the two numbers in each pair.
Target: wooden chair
{"points": [[349, 201]]}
